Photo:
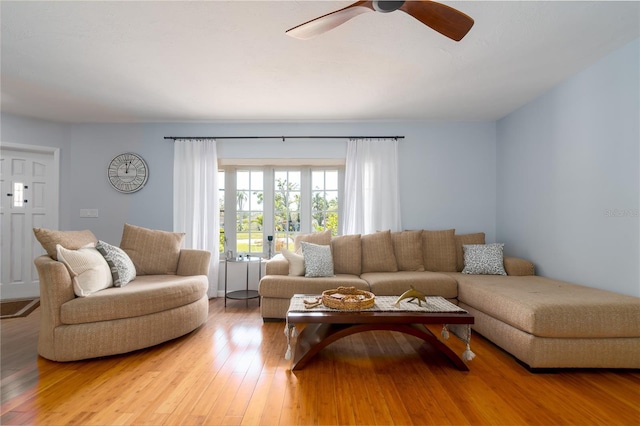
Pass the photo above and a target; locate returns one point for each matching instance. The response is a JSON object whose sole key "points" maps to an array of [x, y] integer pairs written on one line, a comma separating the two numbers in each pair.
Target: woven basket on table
{"points": [[353, 300]]}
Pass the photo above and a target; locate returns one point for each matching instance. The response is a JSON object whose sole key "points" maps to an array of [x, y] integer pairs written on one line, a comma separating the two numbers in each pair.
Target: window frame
{"points": [[268, 172]]}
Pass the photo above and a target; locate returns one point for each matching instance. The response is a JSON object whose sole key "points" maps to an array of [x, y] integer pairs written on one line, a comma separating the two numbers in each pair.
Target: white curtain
{"points": [[195, 199], [371, 198]]}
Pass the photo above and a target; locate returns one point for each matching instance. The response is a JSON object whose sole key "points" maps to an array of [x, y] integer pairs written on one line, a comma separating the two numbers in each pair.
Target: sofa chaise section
{"points": [[548, 323]]}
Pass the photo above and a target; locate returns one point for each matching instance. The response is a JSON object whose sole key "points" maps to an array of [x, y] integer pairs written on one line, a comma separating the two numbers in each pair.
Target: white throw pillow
{"points": [[483, 259], [318, 261], [122, 269], [89, 270], [296, 262]]}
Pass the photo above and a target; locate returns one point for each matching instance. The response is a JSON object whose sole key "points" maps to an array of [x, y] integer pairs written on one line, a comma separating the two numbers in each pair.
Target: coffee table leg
{"points": [[315, 337]]}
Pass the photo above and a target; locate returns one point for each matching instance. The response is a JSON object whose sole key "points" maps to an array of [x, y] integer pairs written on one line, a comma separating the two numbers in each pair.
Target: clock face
{"points": [[128, 172]]}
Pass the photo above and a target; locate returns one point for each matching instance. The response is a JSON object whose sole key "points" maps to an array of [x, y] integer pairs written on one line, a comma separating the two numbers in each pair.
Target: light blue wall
{"points": [[447, 170], [569, 177], [557, 181]]}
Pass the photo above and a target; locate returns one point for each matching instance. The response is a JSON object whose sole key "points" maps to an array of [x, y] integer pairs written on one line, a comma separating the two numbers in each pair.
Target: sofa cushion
{"points": [[347, 254], [439, 250], [396, 283], [483, 259], [284, 286], [89, 271], [377, 253], [122, 268], [296, 262], [407, 248], [546, 307], [146, 295], [152, 251], [477, 238], [317, 260], [321, 238], [71, 240]]}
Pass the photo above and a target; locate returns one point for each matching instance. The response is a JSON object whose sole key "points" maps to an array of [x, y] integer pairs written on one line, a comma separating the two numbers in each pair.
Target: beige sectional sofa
{"points": [[167, 299], [544, 323]]}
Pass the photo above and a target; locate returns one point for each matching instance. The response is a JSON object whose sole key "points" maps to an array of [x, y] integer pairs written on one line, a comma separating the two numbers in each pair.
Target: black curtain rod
{"points": [[284, 137]]}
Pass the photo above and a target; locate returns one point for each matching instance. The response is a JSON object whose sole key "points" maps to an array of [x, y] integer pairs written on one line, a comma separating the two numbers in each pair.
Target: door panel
{"points": [[28, 180]]}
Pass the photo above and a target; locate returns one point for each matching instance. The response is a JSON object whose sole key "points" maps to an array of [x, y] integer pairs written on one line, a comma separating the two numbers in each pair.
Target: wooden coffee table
{"points": [[325, 327]]}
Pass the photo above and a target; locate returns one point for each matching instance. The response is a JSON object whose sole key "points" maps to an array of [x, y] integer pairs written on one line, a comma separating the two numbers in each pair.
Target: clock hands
{"points": [[127, 172]]}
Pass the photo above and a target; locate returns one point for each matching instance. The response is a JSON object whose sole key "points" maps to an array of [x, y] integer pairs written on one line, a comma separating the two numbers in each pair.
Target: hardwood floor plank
{"points": [[232, 371], [221, 405], [258, 400]]}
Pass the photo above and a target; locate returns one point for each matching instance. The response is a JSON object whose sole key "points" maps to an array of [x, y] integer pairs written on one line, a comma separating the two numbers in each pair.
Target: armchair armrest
{"points": [[517, 266], [277, 265], [56, 288], [193, 262]]}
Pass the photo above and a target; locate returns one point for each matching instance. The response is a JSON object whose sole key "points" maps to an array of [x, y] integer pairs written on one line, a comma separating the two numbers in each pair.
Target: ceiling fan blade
{"points": [[442, 18], [329, 21]]}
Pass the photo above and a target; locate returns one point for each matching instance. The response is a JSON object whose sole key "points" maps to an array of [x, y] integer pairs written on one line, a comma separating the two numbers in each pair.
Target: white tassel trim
{"points": [[468, 355], [445, 332], [289, 332], [287, 354]]}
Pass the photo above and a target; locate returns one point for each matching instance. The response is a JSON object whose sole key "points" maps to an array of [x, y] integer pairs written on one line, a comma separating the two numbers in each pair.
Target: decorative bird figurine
{"points": [[412, 294]]}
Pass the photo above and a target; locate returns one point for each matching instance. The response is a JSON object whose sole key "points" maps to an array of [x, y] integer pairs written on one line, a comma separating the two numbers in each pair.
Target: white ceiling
{"points": [[160, 61]]}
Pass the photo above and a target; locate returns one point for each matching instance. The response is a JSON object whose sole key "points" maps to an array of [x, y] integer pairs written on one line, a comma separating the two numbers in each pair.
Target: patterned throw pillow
{"points": [[483, 259], [477, 238], [318, 261], [122, 269]]}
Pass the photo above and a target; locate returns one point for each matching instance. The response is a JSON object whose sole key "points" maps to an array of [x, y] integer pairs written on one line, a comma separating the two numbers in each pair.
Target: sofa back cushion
{"points": [[153, 252], [320, 238], [477, 238], [347, 254], [71, 240], [407, 248], [439, 250], [377, 253]]}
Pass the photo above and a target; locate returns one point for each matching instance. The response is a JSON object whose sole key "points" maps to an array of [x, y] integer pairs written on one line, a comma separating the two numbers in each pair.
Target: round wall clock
{"points": [[128, 172]]}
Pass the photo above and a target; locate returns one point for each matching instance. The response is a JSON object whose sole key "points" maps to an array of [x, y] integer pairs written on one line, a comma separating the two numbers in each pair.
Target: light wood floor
{"points": [[232, 371]]}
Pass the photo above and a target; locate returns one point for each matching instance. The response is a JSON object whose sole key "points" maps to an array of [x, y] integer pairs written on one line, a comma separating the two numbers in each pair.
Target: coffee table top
{"points": [[381, 312]]}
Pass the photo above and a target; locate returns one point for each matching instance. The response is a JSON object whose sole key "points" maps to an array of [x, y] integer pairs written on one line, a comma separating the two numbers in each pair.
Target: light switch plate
{"points": [[88, 212]]}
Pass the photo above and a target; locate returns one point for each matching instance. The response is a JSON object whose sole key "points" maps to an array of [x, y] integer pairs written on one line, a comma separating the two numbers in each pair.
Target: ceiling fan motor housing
{"points": [[387, 6]]}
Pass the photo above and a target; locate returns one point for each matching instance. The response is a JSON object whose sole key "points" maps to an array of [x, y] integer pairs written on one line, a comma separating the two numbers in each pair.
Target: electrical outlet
{"points": [[88, 212]]}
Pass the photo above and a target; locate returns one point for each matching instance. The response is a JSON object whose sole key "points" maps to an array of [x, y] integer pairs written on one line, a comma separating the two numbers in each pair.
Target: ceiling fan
{"points": [[442, 18]]}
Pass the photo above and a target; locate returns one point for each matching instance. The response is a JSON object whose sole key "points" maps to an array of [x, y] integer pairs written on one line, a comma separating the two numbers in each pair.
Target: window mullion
{"points": [[341, 217], [305, 200], [230, 210], [268, 218]]}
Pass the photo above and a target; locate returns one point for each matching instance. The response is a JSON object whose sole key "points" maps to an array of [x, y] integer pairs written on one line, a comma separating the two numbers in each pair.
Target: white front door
{"points": [[29, 180]]}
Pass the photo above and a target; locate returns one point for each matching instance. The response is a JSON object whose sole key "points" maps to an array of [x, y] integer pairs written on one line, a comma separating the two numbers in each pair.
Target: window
{"points": [[324, 200], [278, 202], [286, 206], [18, 194], [249, 211], [223, 238]]}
